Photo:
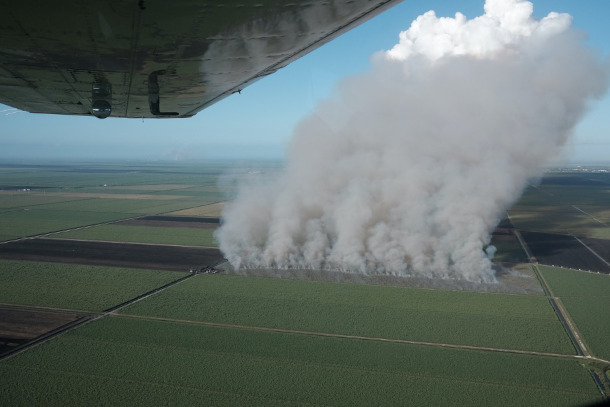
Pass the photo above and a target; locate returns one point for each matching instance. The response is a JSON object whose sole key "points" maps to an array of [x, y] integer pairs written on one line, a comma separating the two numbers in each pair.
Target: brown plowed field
{"points": [[563, 251], [173, 222], [156, 257], [18, 327]]}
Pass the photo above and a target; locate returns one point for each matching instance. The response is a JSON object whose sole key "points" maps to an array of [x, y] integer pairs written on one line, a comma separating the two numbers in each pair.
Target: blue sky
{"points": [[258, 122]]}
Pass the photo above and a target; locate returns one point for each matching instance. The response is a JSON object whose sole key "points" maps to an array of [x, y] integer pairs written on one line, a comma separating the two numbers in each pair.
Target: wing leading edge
{"points": [[155, 58]]}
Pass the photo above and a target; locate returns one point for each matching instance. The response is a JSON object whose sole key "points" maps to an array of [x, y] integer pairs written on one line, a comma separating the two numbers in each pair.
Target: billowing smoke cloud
{"points": [[407, 169]]}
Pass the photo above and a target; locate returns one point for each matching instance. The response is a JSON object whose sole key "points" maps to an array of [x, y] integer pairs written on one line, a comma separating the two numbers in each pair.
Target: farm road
{"points": [[588, 214], [55, 232], [560, 311], [592, 251]]}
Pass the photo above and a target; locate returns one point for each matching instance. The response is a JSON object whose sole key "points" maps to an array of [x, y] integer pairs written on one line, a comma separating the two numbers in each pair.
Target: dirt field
{"points": [[563, 251], [18, 327], [600, 246], [156, 257], [205, 210], [173, 222]]}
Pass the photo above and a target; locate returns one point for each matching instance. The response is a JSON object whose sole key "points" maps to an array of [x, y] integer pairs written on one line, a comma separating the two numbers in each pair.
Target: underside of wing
{"points": [[156, 58]]}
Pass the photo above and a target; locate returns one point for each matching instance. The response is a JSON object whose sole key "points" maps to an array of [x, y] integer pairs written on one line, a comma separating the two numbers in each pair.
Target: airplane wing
{"points": [[153, 58]]}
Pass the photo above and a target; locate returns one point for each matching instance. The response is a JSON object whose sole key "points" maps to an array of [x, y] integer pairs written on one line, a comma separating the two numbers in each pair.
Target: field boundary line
{"points": [[89, 318], [570, 328], [124, 304], [592, 251], [524, 245], [359, 337], [561, 313], [588, 214], [46, 336], [135, 243], [43, 235]]}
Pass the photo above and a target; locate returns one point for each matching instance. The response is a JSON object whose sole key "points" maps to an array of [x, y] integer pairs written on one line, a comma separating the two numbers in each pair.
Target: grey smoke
{"points": [[408, 168]]}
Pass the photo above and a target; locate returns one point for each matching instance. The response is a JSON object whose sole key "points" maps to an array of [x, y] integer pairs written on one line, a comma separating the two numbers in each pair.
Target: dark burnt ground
{"points": [[130, 255], [18, 327], [564, 251], [173, 222], [600, 246]]}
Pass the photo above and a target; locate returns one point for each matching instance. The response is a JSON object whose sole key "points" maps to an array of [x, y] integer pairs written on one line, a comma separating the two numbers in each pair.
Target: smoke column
{"points": [[408, 168]]}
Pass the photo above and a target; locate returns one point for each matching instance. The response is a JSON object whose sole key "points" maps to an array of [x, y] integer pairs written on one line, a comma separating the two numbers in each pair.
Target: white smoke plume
{"points": [[407, 169]]}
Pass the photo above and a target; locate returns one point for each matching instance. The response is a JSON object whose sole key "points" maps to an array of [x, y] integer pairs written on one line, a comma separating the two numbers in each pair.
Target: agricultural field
{"points": [[43, 199], [73, 286], [30, 222], [116, 231], [587, 298], [131, 361], [509, 249], [113, 254], [90, 175], [599, 246], [212, 210], [566, 203], [19, 327], [563, 211], [567, 251], [467, 318], [11, 199], [144, 234], [174, 222]]}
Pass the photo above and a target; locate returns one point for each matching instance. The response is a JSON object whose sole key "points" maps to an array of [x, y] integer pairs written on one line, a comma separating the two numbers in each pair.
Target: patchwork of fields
{"points": [[503, 321], [126, 361], [587, 298], [567, 251], [103, 282]]}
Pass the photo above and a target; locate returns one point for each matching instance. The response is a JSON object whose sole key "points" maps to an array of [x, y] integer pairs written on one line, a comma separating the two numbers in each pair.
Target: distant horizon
{"points": [[228, 161]]}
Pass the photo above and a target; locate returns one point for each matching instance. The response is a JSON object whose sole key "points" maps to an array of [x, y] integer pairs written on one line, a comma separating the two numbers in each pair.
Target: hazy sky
{"points": [[259, 122]]}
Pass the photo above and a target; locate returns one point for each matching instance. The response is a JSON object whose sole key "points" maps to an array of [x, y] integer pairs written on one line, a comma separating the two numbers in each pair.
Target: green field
{"points": [[29, 222], [144, 234], [469, 318], [29, 200], [125, 361], [73, 176], [587, 298], [78, 287], [48, 198]]}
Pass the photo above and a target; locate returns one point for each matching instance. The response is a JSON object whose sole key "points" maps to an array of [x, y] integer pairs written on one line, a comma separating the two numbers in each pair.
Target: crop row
{"points": [[157, 363]]}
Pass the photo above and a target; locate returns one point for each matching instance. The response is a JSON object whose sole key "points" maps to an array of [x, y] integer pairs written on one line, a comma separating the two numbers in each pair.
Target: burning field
{"points": [[407, 169]]}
